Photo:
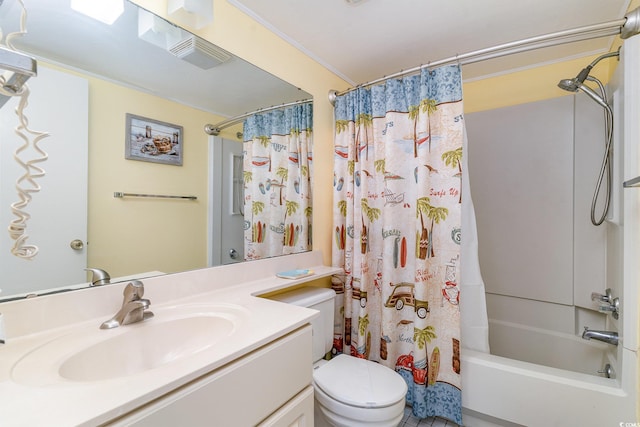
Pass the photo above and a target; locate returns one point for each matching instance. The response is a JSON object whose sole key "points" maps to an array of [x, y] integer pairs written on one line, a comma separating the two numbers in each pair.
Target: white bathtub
{"points": [[534, 395], [549, 348]]}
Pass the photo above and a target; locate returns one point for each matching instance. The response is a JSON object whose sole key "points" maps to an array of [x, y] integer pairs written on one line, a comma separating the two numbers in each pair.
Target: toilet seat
{"points": [[359, 383]]}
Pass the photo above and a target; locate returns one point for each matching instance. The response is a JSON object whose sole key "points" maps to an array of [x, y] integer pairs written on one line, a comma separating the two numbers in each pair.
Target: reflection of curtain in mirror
{"points": [[277, 176]]}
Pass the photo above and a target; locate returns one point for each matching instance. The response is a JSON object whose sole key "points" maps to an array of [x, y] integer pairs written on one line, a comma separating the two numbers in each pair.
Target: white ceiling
{"points": [[374, 38]]}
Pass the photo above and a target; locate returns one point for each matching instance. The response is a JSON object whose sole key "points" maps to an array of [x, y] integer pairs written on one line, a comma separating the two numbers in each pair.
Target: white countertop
{"points": [[39, 396]]}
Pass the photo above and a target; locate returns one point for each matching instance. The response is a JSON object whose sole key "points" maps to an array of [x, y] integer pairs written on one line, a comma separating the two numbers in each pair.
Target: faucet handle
{"points": [[613, 307], [133, 291], [606, 297]]}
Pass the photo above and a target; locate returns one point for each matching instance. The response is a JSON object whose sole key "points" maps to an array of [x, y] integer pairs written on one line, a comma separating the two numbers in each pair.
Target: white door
{"points": [[232, 203], [58, 104], [226, 202]]}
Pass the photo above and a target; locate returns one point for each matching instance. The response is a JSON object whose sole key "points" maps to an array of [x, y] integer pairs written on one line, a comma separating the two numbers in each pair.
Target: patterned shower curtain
{"points": [[397, 216], [277, 170]]}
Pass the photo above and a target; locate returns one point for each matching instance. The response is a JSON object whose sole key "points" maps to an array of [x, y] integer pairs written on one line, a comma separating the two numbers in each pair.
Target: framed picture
{"points": [[150, 140]]}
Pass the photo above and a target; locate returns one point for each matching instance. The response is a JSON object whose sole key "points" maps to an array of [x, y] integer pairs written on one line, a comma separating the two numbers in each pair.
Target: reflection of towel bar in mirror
{"points": [[120, 194]]}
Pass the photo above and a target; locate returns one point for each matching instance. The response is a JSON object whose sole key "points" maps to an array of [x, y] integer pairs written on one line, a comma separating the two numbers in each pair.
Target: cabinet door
{"points": [[298, 412], [242, 393]]}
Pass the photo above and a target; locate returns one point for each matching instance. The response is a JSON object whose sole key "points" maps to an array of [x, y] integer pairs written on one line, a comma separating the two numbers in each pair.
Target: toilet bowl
{"points": [[348, 391]]}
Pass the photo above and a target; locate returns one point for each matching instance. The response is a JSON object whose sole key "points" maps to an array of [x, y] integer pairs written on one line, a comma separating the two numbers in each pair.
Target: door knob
{"points": [[76, 245], [233, 254]]}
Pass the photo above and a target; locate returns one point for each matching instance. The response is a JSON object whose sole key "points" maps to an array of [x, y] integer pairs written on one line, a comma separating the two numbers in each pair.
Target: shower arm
{"points": [[583, 75], [604, 56]]}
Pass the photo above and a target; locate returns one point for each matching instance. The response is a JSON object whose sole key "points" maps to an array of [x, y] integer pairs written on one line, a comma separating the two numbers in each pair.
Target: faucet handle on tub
{"points": [[600, 297], [613, 307]]}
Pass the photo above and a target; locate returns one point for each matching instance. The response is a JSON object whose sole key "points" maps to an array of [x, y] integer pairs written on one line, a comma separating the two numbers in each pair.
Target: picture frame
{"points": [[150, 140]]}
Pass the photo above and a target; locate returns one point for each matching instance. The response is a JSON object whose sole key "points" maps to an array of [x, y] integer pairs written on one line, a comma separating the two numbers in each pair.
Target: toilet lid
{"points": [[360, 382]]}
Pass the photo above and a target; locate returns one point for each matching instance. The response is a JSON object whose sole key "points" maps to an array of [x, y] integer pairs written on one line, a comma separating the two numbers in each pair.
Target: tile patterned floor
{"points": [[410, 421]]}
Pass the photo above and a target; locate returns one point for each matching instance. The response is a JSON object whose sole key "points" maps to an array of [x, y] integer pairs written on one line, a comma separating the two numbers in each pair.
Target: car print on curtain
{"points": [[397, 216], [277, 170]]}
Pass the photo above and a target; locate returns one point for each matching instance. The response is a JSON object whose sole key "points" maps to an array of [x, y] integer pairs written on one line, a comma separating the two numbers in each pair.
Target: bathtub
{"points": [[554, 349], [506, 391]]}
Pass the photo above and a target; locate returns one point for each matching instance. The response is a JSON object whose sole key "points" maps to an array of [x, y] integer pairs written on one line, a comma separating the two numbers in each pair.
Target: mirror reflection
{"points": [[90, 76]]}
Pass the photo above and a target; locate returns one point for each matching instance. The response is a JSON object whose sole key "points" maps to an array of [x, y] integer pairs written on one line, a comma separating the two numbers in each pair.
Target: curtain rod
{"points": [[625, 27], [215, 129]]}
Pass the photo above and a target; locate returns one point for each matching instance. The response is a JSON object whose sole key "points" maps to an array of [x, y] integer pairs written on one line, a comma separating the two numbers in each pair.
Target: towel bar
{"points": [[120, 194]]}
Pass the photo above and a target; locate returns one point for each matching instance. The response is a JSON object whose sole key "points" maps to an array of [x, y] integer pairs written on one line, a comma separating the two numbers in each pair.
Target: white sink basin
{"points": [[93, 354]]}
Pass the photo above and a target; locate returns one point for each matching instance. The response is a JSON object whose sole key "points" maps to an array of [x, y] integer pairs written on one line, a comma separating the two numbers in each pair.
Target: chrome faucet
{"points": [[607, 303], [99, 277], [605, 336], [133, 307]]}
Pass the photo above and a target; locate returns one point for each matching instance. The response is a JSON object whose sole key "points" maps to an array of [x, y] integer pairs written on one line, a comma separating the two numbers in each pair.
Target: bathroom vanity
{"points": [[267, 387], [214, 353]]}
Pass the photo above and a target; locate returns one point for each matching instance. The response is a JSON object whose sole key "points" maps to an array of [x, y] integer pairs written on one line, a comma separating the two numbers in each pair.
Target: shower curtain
{"points": [[397, 232], [277, 170]]}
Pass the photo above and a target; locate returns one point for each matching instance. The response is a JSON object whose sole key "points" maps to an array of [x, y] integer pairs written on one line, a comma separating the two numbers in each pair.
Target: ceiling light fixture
{"points": [[193, 13], [106, 11]]}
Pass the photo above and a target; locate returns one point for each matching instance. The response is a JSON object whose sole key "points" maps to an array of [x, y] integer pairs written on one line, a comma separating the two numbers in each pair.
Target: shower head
{"points": [[572, 85]]}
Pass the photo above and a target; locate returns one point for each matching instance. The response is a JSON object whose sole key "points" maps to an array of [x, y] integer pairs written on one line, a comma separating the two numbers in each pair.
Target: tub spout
{"points": [[605, 336]]}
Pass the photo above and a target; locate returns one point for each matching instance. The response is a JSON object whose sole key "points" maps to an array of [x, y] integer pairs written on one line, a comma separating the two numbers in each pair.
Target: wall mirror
{"points": [[128, 56]]}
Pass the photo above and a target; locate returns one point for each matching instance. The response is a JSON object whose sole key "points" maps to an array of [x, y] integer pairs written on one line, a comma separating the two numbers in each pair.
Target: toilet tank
{"points": [[321, 299]]}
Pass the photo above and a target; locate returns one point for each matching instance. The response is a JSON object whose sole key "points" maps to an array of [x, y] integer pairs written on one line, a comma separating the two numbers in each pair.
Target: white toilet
{"points": [[348, 391]]}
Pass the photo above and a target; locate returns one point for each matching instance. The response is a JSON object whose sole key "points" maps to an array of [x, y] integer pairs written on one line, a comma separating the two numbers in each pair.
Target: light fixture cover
{"points": [[193, 13], [106, 11], [157, 31]]}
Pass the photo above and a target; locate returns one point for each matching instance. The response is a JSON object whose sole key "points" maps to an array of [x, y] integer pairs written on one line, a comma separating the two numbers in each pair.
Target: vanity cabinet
{"points": [[270, 386]]}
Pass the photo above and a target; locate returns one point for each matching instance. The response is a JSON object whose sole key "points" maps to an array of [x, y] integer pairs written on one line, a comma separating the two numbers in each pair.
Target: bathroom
{"points": [[228, 32]]}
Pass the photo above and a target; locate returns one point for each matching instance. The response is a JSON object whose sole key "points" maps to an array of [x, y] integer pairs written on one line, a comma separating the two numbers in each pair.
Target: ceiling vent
{"points": [[200, 52]]}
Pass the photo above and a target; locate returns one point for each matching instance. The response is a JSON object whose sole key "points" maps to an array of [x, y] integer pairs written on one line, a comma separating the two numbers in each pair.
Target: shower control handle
{"points": [[607, 297], [612, 308]]}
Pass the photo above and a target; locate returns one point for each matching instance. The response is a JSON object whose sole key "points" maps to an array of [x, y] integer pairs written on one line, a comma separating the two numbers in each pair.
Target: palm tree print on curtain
{"points": [[397, 215], [277, 164]]}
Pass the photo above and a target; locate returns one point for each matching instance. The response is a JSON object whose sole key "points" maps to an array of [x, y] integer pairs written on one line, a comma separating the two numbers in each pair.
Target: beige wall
{"points": [[530, 85], [128, 236], [239, 34]]}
